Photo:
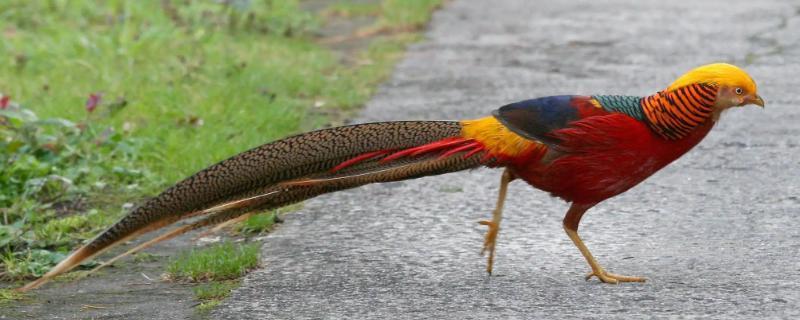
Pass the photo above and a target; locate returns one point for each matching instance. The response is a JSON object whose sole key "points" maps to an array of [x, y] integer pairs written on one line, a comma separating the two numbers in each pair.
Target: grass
{"points": [[258, 223], [214, 290], [191, 76], [212, 294], [224, 261], [347, 9], [216, 268], [407, 14], [144, 257], [188, 77], [7, 296], [105, 103], [50, 168]]}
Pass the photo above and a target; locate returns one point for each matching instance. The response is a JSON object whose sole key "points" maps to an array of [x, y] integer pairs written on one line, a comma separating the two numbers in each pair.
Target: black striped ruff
{"points": [[674, 114]]}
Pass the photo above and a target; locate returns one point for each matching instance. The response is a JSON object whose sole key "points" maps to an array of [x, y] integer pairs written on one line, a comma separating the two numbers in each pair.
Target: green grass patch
{"points": [[407, 14], [211, 294], [214, 290], [29, 263], [206, 307], [144, 257], [222, 261], [184, 77], [265, 221], [51, 171], [219, 266], [190, 76], [9, 295], [258, 223], [351, 9], [105, 103]]}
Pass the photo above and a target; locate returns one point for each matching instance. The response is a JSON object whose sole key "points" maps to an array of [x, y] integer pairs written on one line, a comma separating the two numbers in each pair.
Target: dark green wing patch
{"points": [[630, 105]]}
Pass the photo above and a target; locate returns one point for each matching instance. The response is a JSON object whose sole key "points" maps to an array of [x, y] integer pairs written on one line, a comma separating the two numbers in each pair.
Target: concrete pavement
{"points": [[716, 232]]}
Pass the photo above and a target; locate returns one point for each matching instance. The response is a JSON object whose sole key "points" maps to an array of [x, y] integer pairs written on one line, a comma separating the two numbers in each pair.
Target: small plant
{"points": [[222, 261], [347, 9], [8, 295], [30, 263], [407, 15], [214, 290], [259, 223], [211, 294], [52, 171], [263, 222], [144, 257]]}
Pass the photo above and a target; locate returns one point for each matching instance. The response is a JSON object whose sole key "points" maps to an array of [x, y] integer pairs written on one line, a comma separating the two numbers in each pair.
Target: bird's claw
{"points": [[489, 242], [608, 277]]}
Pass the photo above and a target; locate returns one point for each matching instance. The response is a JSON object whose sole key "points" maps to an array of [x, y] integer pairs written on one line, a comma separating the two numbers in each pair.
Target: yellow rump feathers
{"points": [[720, 74], [496, 137]]}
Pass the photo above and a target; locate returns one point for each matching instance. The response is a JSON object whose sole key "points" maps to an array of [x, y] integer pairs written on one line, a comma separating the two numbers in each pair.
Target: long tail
{"points": [[291, 170]]}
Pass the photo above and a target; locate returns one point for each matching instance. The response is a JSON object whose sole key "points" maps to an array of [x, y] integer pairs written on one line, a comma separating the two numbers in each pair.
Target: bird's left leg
{"points": [[571, 221], [494, 225]]}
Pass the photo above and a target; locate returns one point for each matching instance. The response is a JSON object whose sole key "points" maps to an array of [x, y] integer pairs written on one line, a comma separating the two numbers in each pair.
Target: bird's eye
{"points": [[739, 91]]}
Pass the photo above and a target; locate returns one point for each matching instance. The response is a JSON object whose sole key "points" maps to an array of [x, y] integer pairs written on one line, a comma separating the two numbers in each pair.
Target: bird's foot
{"points": [[489, 242], [608, 277]]}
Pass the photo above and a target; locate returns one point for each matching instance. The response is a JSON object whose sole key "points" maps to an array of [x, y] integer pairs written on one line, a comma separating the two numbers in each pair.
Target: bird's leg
{"points": [[571, 221], [494, 225]]}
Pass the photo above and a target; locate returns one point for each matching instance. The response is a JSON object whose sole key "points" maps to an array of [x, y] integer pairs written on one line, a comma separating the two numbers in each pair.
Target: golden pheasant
{"points": [[582, 149]]}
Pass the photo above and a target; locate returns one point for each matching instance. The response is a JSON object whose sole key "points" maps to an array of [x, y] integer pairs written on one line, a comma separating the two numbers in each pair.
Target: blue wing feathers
{"points": [[536, 118]]}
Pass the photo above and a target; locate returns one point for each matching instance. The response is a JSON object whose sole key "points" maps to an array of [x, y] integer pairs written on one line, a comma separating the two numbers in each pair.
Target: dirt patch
{"points": [[346, 36]]}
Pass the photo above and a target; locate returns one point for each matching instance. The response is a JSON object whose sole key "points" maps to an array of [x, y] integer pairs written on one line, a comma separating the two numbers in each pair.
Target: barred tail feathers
{"points": [[291, 170]]}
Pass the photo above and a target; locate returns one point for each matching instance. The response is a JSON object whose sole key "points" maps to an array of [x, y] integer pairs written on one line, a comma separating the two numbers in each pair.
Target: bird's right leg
{"points": [[571, 222], [494, 225]]}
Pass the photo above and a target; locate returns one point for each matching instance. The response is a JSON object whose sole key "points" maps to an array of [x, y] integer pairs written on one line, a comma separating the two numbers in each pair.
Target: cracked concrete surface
{"points": [[715, 232]]}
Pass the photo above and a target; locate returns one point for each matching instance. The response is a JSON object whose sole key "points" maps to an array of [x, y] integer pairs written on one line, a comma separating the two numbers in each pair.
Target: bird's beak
{"points": [[756, 100]]}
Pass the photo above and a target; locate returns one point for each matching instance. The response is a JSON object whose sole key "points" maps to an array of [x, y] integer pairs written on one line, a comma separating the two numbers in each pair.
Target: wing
{"points": [[536, 119]]}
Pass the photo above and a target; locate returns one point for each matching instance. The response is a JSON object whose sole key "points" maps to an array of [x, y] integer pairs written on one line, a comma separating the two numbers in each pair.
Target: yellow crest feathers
{"points": [[721, 74]]}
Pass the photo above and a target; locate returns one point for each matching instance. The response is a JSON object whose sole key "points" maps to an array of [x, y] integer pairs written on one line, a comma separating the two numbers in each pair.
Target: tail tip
{"points": [[32, 285], [65, 265]]}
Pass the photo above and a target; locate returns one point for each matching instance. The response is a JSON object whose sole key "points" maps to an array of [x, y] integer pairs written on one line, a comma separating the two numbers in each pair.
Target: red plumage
{"points": [[603, 156]]}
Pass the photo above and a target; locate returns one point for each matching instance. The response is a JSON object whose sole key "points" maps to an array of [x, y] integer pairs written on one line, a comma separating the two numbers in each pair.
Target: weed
{"points": [[29, 263], [214, 290], [144, 257], [222, 261], [8, 295], [207, 306], [347, 9], [211, 294], [48, 169], [407, 15], [258, 223]]}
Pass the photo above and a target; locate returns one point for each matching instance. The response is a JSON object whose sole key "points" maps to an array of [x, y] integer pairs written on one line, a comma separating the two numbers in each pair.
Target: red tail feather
{"points": [[447, 147], [359, 159], [465, 147]]}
